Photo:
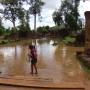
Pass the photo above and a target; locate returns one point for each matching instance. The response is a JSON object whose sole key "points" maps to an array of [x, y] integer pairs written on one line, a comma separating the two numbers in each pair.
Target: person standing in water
{"points": [[33, 57]]}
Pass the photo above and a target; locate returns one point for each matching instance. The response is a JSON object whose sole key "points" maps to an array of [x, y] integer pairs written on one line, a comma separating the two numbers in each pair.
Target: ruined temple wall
{"points": [[87, 27]]}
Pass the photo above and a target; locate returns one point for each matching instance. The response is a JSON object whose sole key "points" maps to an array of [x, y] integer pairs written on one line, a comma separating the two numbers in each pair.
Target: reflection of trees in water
{"points": [[49, 56], [41, 64], [65, 56], [58, 54], [42, 41], [15, 52], [19, 62], [1, 58], [53, 41]]}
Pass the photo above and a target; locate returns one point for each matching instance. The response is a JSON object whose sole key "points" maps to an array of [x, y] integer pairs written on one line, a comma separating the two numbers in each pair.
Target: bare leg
{"points": [[35, 69], [31, 68]]}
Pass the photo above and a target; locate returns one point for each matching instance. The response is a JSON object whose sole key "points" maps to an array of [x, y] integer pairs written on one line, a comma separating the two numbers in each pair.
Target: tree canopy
{"points": [[68, 15], [13, 10]]}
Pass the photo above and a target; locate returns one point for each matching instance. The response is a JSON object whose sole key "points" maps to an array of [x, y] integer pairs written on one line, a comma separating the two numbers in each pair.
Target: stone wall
{"points": [[87, 27]]}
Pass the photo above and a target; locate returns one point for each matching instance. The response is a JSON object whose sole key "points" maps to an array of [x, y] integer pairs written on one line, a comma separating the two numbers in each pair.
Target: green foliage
{"points": [[57, 18], [2, 30], [43, 29], [4, 41], [68, 15], [56, 28], [24, 19], [21, 15], [69, 39], [47, 27], [71, 15], [35, 8], [12, 10], [8, 30], [71, 23], [23, 30]]}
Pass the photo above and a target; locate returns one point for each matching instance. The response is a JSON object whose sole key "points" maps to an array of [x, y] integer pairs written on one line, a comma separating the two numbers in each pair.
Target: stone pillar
{"points": [[87, 36]]}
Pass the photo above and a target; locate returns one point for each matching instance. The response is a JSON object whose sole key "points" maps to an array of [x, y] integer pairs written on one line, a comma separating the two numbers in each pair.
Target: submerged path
{"points": [[57, 67]]}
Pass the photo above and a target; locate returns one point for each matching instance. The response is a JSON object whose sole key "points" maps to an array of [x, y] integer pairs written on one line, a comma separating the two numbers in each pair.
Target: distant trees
{"points": [[43, 29], [10, 11], [13, 10], [68, 15], [57, 18], [2, 30], [35, 8]]}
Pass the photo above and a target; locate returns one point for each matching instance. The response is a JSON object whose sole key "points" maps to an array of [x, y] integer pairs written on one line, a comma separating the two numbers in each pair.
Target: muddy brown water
{"points": [[56, 61]]}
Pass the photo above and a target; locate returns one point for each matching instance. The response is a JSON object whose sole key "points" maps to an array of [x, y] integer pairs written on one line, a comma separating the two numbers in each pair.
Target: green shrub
{"points": [[69, 39], [4, 41]]}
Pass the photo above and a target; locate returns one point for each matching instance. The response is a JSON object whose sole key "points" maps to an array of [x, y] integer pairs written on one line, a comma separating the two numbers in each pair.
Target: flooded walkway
{"points": [[56, 63]]}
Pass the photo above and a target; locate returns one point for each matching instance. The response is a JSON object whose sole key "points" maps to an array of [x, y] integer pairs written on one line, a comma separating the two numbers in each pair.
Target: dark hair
{"points": [[30, 46]]}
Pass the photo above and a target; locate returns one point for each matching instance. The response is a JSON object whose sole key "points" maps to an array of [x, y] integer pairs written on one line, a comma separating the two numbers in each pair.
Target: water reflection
{"points": [[56, 61], [10, 52]]}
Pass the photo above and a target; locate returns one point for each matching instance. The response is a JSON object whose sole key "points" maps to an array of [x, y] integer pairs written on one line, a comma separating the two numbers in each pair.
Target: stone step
{"points": [[2, 87], [39, 83]]}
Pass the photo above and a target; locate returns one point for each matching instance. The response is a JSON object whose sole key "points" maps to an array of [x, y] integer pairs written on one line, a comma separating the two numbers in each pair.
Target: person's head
{"points": [[33, 46], [30, 46]]}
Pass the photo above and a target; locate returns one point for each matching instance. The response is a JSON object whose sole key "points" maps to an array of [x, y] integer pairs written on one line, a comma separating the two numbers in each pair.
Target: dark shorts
{"points": [[33, 61]]}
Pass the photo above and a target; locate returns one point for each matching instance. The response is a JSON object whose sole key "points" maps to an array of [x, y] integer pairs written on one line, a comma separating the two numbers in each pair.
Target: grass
{"points": [[69, 39], [14, 42], [4, 41]]}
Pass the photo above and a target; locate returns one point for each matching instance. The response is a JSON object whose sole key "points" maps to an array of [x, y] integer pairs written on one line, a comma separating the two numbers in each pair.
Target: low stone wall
{"points": [[87, 33], [83, 58]]}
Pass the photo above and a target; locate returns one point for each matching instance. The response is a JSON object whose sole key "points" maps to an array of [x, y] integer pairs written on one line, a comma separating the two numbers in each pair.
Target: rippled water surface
{"points": [[55, 59]]}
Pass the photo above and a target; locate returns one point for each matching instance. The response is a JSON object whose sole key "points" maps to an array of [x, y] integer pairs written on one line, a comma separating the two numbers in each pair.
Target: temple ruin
{"points": [[87, 33]]}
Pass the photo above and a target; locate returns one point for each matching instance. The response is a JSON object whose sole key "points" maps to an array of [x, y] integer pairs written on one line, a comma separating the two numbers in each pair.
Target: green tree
{"points": [[27, 21], [35, 8], [21, 16], [57, 18], [10, 11], [2, 30], [68, 14], [71, 14], [0, 21]]}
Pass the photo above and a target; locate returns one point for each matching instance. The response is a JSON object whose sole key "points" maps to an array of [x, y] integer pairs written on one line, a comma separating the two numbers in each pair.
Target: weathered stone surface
{"points": [[87, 27]]}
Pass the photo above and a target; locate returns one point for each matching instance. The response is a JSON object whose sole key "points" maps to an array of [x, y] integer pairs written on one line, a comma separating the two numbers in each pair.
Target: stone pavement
{"points": [[39, 83]]}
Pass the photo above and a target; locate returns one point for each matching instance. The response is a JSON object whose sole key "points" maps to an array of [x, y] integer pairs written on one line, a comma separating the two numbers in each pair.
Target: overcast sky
{"points": [[47, 10]]}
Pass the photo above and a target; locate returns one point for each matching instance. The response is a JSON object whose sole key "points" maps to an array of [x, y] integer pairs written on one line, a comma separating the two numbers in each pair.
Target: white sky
{"points": [[47, 10]]}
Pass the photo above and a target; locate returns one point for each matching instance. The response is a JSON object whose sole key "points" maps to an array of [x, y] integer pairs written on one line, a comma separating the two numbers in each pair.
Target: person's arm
{"points": [[29, 56], [35, 53], [29, 53]]}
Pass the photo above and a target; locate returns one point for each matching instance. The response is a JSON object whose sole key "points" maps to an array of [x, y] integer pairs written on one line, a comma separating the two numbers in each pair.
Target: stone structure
{"points": [[84, 57], [87, 27]]}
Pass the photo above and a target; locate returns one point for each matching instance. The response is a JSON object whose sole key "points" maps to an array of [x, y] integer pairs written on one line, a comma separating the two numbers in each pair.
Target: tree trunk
{"points": [[14, 26], [35, 26], [35, 22], [15, 34], [0, 21]]}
